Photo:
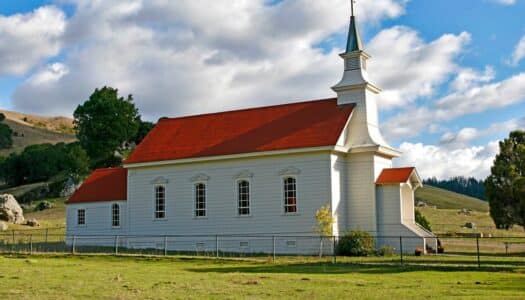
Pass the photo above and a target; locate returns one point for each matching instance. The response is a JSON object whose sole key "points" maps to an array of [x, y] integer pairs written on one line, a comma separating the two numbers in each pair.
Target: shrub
{"points": [[356, 243], [421, 220], [386, 251], [44, 205]]}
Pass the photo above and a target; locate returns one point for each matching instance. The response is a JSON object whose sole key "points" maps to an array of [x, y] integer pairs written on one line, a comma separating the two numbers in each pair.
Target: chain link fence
{"points": [[475, 249]]}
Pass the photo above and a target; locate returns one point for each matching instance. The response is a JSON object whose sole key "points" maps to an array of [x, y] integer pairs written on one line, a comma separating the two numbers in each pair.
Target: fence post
{"points": [[477, 246], [217, 246], [13, 231], [401, 248], [73, 244], [333, 250], [273, 247], [165, 245], [47, 233], [116, 244], [30, 244]]}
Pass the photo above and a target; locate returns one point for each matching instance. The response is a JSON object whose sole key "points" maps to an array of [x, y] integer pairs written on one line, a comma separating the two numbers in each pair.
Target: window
{"points": [[243, 192], [81, 217], [160, 202], [200, 200], [115, 215], [290, 195]]}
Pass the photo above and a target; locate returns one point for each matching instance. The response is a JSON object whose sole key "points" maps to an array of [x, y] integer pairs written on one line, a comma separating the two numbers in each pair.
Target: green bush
{"points": [[421, 220], [386, 251], [356, 243]]}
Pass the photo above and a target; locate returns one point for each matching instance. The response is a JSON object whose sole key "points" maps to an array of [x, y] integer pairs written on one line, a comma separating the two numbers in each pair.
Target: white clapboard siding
{"points": [[267, 215], [98, 219]]}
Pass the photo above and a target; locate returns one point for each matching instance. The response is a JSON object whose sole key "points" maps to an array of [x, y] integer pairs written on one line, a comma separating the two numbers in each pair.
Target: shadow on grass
{"points": [[377, 267]]}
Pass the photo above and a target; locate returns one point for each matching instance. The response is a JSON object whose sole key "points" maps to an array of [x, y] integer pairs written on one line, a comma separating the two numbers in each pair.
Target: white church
{"points": [[258, 172]]}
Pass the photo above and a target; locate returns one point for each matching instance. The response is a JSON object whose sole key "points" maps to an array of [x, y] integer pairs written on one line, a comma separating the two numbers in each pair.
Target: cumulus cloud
{"points": [[442, 162], [465, 136], [177, 58], [28, 39], [406, 67], [478, 98], [519, 52]]}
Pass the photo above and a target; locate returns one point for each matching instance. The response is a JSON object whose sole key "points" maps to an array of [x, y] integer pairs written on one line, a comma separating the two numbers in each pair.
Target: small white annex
{"points": [[257, 173]]}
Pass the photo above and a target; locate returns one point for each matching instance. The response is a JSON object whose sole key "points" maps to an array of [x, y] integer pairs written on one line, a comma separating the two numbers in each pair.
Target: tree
{"points": [[104, 123], [325, 223], [6, 136], [421, 220], [505, 187], [144, 128]]}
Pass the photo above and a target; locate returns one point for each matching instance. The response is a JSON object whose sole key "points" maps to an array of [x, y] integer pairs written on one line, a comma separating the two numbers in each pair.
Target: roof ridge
{"points": [[244, 109]]}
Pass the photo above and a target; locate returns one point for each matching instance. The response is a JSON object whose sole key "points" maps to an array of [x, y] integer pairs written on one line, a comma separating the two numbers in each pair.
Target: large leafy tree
{"points": [[105, 124], [505, 187]]}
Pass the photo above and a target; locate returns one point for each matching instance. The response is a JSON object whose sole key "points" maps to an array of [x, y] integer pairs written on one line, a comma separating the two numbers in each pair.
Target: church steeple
{"points": [[356, 88]]}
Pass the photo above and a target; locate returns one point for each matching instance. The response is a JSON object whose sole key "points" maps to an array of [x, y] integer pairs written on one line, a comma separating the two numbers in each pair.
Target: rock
{"points": [[470, 225], [10, 210], [32, 222], [421, 204], [3, 226]]}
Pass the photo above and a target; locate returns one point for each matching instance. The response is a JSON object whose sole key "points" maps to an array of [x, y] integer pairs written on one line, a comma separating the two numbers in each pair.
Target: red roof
{"points": [[296, 125], [395, 175], [102, 185]]}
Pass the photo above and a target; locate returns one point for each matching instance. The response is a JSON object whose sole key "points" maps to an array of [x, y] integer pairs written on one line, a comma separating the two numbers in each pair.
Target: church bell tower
{"points": [[355, 87]]}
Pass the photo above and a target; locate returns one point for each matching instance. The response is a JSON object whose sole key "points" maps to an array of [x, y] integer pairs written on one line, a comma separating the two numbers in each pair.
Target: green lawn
{"points": [[109, 277]]}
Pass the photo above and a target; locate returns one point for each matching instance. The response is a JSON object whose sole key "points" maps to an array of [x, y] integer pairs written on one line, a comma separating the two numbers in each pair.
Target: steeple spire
{"points": [[353, 43]]}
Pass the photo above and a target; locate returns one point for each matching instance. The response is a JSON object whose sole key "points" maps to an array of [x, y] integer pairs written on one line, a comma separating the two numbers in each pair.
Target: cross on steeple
{"points": [[352, 5]]}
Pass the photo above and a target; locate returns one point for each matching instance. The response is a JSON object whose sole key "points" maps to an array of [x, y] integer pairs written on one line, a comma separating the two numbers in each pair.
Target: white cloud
{"points": [[478, 98], [407, 68], [505, 2], [177, 57], [465, 136], [443, 163], [519, 52], [28, 39], [468, 77]]}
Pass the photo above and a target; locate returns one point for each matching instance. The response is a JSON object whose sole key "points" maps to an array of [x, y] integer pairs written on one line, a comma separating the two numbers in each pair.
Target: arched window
{"points": [[115, 215], [243, 196], [200, 200], [160, 202], [290, 195]]}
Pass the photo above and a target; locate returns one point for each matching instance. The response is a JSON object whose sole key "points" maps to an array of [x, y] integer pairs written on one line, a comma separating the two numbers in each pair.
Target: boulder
{"points": [[32, 222], [10, 210], [421, 204], [3, 226]]}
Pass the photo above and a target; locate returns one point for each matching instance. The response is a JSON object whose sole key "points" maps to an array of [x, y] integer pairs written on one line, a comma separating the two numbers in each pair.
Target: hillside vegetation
{"points": [[37, 130], [444, 199]]}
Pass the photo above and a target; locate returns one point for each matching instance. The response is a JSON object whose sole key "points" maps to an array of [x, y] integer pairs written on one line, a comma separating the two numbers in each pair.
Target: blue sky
{"points": [[453, 72]]}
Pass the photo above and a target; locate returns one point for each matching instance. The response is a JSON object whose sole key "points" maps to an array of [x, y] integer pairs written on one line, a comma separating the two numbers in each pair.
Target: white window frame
{"points": [[237, 201], [155, 211], [78, 217], [283, 199], [113, 215], [195, 209]]}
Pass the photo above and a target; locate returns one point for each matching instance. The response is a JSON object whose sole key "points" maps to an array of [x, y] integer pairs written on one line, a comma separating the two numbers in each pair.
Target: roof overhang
{"points": [[232, 156]]}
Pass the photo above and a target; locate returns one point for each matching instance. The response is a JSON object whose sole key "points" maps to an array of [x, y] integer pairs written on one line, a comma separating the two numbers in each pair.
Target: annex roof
{"points": [[398, 175], [289, 126], [102, 185]]}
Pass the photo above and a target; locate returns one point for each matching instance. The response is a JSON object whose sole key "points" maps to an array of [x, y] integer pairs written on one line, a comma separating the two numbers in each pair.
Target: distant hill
{"points": [[33, 129], [444, 199]]}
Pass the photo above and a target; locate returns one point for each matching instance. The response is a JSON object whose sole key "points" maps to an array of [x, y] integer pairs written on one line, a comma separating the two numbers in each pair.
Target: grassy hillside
{"points": [[444, 199], [30, 134], [55, 124]]}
